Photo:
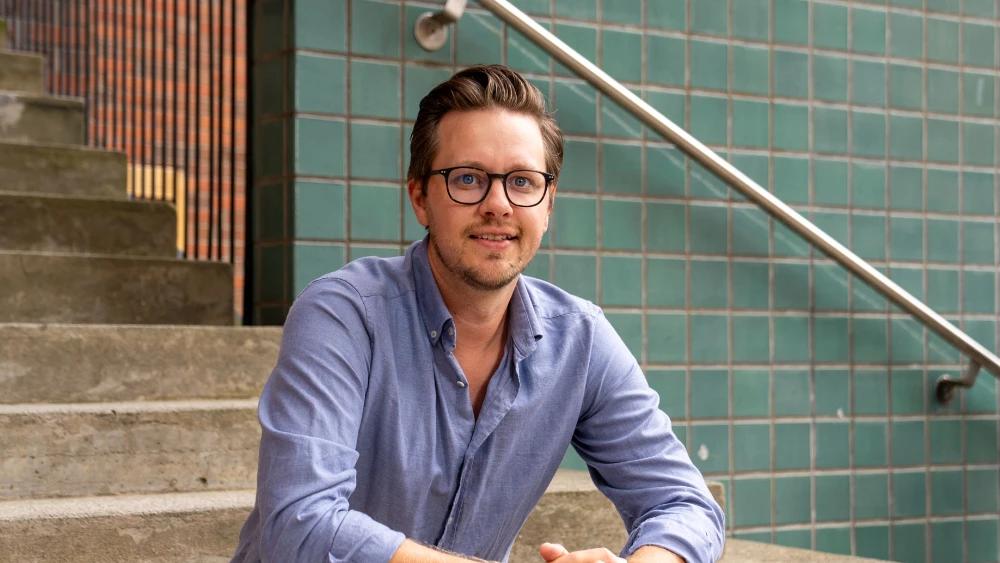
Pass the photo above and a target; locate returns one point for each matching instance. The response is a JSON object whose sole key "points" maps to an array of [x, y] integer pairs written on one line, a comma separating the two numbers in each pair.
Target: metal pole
{"points": [[713, 162]]}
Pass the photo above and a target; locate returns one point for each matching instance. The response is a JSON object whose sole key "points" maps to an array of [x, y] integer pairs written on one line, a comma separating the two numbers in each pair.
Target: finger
{"points": [[552, 551]]}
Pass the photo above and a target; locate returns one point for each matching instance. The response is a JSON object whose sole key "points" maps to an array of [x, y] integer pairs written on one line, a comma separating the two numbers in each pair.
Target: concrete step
{"points": [[127, 448], [54, 223], [36, 118], [62, 170], [22, 72], [3, 35], [80, 288], [133, 363]]}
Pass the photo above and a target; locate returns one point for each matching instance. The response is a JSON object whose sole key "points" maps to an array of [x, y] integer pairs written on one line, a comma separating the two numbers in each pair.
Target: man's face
{"points": [[463, 238]]}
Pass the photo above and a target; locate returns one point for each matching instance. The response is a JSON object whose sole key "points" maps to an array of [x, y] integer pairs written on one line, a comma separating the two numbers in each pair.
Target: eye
{"points": [[467, 179], [521, 182]]}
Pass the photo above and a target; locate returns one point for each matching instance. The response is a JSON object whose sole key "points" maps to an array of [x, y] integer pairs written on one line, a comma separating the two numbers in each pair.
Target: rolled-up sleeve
{"points": [[310, 411], [636, 460]]}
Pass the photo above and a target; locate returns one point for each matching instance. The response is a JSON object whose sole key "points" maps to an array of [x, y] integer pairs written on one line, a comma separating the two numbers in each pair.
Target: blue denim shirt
{"points": [[369, 434]]}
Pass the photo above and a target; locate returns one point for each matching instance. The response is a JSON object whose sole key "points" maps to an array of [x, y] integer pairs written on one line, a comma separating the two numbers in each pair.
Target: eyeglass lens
{"points": [[469, 185]]}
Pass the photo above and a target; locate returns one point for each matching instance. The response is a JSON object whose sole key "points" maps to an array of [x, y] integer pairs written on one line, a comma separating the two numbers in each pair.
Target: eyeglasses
{"points": [[469, 185]]}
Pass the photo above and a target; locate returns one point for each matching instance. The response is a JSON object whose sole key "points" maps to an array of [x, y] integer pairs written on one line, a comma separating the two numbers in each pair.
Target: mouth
{"points": [[493, 237]]}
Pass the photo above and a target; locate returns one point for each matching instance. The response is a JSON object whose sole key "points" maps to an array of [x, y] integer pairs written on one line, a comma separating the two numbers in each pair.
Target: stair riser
{"points": [[40, 120], [85, 454], [21, 72], [49, 224], [133, 363], [62, 171], [90, 289]]}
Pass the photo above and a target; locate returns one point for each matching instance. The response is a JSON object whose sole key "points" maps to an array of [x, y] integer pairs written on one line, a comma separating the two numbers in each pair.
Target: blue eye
{"points": [[520, 182], [467, 179]]}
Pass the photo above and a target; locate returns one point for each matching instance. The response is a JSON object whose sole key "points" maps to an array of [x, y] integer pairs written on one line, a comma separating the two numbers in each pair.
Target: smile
{"points": [[494, 237]]}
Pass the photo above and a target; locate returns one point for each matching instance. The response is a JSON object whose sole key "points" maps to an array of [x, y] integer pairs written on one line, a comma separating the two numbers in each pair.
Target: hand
{"points": [[555, 553]]}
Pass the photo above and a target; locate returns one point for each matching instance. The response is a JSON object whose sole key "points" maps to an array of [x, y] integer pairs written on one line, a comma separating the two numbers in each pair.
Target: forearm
{"points": [[654, 554], [413, 552]]}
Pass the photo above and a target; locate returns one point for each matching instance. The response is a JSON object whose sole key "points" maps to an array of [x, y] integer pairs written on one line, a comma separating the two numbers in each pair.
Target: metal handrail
{"points": [[979, 355]]}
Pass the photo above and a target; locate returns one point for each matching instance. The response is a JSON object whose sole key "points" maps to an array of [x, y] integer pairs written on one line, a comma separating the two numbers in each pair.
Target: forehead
{"points": [[494, 138]]}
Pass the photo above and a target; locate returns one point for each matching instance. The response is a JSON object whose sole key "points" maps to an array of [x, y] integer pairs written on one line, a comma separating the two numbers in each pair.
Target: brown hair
{"points": [[481, 87]]}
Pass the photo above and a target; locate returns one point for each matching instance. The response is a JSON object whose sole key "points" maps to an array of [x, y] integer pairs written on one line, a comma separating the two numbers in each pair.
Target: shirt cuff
{"points": [[360, 538], [694, 544]]}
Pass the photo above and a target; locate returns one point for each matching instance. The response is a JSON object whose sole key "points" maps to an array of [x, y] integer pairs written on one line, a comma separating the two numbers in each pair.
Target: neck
{"points": [[479, 314]]}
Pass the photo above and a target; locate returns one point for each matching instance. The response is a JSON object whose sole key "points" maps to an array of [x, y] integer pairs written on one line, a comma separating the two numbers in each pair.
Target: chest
{"points": [[478, 366]]}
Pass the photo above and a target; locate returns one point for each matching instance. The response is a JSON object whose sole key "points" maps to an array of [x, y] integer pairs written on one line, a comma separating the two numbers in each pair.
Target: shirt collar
{"points": [[525, 328]]}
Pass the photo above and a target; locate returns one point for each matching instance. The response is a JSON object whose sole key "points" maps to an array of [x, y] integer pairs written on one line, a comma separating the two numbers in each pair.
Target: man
{"points": [[421, 404]]}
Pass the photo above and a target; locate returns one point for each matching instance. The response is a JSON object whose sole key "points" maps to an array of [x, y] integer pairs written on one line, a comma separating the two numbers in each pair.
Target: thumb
{"points": [[551, 551]]}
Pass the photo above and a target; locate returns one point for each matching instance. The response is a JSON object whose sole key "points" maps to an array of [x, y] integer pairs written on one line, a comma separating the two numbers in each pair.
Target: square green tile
{"points": [[667, 335], [319, 147], [906, 36], [871, 392], [870, 340], [906, 239], [980, 8], [620, 11], [978, 193], [791, 393], [751, 19], [320, 83], [665, 60], [750, 232], [708, 339], [982, 398], [312, 260], [708, 119], [942, 290], [868, 236], [832, 446], [829, 26], [791, 74], [946, 493], [977, 141], [942, 41], [908, 392], [791, 127], [320, 25], [710, 17], [870, 448], [750, 124], [375, 89], [983, 544], [375, 213], [756, 166], [670, 385], [868, 31], [751, 70], [705, 185], [981, 441], [269, 20], [833, 392], [830, 130], [977, 243], [791, 446], [709, 284], [665, 227], [942, 90], [576, 274], [579, 172], [577, 105], [978, 95], [833, 498], [629, 328], [319, 210], [829, 181], [708, 228], [834, 540], [791, 21], [906, 87], [751, 394], [942, 240], [942, 140], [270, 212], [982, 486], [478, 39], [369, 21], [665, 14], [791, 179], [868, 134], [909, 493], [709, 394], [621, 281], [907, 190], [830, 78], [830, 340], [709, 447], [751, 340], [616, 122], [872, 541], [946, 441], [871, 496], [792, 500], [794, 538], [752, 447], [791, 286], [907, 342], [360, 251], [751, 502], [908, 443], [868, 86], [791, 339], [271, 145], [944, 6], [621, 54], [384, 163], [868, 186], [621, 168], [575, 223], [418, 81], [906, 136], [942, 191], [524, 56], [665, 171], [709, 63], [947, 539], [750, 285], [271, 273], [666, 282], [978, 43]]}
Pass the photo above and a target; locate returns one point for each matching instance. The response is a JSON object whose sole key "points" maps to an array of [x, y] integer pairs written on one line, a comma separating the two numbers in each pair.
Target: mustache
{"points": [[493, 225]]}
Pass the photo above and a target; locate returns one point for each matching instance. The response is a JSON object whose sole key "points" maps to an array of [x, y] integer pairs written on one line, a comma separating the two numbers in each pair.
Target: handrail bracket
{"points": [[946, 384], [431, 28]]}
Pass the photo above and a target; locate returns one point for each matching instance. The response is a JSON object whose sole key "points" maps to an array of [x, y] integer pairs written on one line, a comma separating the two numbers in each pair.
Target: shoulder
{"points": [[553, 303], [368, 277]]}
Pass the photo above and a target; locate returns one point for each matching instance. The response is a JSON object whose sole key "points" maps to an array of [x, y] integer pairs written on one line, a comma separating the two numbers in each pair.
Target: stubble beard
{"points": [[498, 273]]}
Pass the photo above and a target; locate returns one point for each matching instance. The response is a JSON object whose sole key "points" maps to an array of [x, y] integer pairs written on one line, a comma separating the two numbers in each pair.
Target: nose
{"points": [[496, 202]]}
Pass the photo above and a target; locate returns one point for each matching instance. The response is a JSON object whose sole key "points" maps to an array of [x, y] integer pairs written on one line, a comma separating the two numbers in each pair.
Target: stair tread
{"points": [[128, 407], [125, 505]]}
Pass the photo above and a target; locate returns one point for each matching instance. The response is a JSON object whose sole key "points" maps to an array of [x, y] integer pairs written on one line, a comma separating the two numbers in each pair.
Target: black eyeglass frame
{"points": [[549, 178]]}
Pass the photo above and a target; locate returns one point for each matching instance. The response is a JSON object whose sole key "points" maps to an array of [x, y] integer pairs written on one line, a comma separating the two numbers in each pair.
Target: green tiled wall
{"points": [[798, 387]]}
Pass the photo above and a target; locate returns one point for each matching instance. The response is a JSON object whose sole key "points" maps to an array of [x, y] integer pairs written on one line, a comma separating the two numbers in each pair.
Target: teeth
{"points": [[494, 237]]}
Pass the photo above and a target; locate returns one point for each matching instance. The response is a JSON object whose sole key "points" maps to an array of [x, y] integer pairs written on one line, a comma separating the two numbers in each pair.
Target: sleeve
{"points": [[309, 413], [635, 459]]}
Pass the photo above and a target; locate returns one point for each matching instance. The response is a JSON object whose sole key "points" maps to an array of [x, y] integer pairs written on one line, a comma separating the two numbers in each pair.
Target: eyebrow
{"points": [[517, 166]]}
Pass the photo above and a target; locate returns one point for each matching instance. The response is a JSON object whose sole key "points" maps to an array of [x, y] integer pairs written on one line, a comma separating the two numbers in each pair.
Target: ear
{"points": [[418, 200], [552, 203]]}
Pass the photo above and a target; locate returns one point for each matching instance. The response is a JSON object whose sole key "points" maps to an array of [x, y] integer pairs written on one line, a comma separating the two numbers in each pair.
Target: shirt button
{"points": [[434, 334], [460, 383]]}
